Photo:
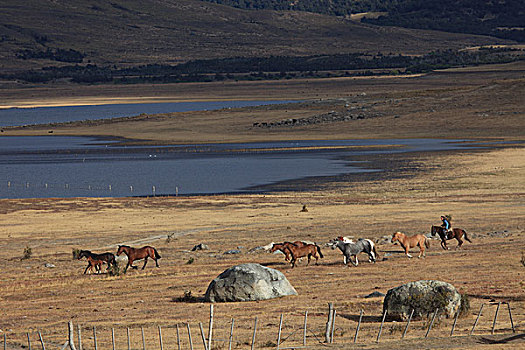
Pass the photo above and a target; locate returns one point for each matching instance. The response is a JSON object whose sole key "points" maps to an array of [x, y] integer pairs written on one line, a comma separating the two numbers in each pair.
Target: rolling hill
{"points": [[40, 33]]}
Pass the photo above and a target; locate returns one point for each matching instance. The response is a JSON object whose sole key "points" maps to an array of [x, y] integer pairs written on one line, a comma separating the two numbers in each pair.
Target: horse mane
{"points": [[123, 245]]}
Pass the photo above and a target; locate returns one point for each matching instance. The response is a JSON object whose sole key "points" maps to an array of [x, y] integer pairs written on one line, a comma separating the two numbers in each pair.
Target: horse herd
{"points": [[95, 261], [292, 250], [299, 249]]}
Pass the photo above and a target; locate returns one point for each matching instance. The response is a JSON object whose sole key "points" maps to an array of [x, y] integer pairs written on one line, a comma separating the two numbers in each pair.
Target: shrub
{"points": [[27, 253]]}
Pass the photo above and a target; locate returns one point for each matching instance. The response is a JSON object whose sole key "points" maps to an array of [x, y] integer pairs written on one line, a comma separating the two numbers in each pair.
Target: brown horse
{"points": [[96, 260], [307, 250], [411, 242], [456, 233], [283, 247], [137, 254]]}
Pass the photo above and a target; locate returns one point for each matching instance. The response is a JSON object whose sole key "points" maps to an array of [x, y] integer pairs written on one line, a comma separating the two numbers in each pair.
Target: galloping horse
{"points": [[96, 260], [307, 250], [411, 242], [137, 254], [352, 249], [283, 247], [457, 233]]}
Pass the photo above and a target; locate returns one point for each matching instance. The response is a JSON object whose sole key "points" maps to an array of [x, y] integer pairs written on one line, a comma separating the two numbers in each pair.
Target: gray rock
{"points": [[375, 294], [49, 265], [233, 251], [424, 297], [200, 246], [248, 282]]}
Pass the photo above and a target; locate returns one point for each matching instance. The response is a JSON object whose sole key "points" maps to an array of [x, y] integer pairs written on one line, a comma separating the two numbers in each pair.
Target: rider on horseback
{"points": [[446, 224]]}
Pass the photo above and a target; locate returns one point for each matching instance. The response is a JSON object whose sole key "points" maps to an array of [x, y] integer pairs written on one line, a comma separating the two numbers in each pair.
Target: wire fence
{"points": [[294, 330]]}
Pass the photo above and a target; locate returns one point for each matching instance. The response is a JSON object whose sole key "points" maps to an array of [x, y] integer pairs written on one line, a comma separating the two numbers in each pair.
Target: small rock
{"points": [[375, 294], [233, 251], [49, 265], [200, 246]]}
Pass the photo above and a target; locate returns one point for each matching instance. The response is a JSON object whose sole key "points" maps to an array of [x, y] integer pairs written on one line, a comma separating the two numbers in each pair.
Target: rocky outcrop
{"points": [[424, 297], [330, 117], [248, 282]]}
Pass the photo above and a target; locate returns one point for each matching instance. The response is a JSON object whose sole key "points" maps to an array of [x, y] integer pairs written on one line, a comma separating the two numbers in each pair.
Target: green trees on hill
{"points": [[502, 18]]}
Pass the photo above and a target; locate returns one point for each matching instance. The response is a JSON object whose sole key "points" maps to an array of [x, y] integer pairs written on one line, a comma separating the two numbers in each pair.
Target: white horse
{"points": [[352, 249]]}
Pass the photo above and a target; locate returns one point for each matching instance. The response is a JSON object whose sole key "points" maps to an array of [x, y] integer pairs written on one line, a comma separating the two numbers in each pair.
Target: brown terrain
{"points": [[482, 188]]}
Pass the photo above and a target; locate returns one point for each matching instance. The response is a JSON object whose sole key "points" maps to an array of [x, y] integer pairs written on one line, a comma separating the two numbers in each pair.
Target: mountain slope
{"points": [[136, 32]]}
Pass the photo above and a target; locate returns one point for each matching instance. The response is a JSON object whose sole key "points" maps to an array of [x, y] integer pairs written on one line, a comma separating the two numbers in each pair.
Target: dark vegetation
{"points": [[274, 67], [61, 55], [503, 18]]}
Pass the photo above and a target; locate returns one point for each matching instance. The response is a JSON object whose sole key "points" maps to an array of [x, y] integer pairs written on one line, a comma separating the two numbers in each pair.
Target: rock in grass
{"points": [[248, 282], [424, 297]]}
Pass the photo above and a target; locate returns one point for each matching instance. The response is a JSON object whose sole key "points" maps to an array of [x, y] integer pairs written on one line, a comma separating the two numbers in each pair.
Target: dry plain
{"points": [[482, 188]]}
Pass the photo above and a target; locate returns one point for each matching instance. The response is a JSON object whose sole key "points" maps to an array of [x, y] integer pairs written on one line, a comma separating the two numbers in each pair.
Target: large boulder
{"points": [[248, 282], [424, 297]]}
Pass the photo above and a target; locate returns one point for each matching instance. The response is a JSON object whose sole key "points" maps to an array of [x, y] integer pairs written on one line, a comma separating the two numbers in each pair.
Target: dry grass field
{"points": [[483, 189]]}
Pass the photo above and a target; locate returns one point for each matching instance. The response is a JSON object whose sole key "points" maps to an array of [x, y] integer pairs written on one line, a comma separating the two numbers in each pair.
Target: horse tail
{"points": [[427, 242], [375, 251], [465, 234], [319, 251], [157, 255]]}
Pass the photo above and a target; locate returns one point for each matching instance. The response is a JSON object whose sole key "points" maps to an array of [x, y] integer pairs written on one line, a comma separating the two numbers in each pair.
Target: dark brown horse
{"points": [[283, 247], [456, 233], [307, 250], [137, 254], [96, 260]]}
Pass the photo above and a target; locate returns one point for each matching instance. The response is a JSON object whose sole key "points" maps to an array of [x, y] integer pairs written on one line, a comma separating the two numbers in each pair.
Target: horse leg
{"points": [[460, 242], [145, 262], [406, 252], [87, 267], [421, 250]]}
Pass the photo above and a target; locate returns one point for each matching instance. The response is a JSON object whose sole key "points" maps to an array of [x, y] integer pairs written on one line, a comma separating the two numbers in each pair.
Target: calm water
{"points": [[56, 166], [44, 115]]}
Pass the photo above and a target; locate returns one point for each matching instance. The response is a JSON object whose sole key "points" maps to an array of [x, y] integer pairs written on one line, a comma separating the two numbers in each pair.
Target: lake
{"points": [[60, 166], [45, 115]]}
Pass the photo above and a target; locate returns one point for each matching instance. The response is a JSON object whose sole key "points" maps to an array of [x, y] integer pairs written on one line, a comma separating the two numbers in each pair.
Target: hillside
{"points": [[504, 19], [128, 33]]}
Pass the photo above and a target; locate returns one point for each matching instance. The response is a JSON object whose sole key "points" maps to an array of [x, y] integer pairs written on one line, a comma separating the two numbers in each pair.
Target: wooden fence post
{"points": [[477, 319], [113, 338], [358, 326], [495, 317], [304, 327], [160, 338], [95, 338], [328, 323], [143, 339], [254, 332], [454, 324], [279, 334], [231, 336], [5, 341], [431, 322], [71, 335], [210, 328], [333, 327], [408, 323], [189, 336], [28, 341], [381, 327], [510, 316], [203, 337], [178, 337], [129, 340], [41, 341], [79, 337]]}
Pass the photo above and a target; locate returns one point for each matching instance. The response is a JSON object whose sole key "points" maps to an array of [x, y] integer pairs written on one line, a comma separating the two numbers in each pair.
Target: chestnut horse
{"points": [[456, 233], [307, 250], [283, 247], [137, 254], [411, 242], [96, 260]]}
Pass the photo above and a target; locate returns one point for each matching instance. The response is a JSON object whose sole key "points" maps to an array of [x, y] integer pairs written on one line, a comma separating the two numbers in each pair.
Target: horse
{"points": [[137, 254], [456, 233], [283, 247], [411, 242], [352, 249], [96, 260], [307, 250]]}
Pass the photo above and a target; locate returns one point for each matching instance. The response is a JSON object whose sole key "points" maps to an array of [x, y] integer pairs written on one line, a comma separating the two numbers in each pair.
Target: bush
{"points": [[28, 252]]}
